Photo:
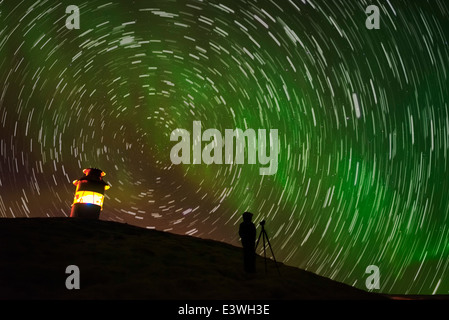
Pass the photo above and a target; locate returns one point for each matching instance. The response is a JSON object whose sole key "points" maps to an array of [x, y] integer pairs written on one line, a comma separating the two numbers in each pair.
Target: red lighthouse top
{"points": [[93, 175]]}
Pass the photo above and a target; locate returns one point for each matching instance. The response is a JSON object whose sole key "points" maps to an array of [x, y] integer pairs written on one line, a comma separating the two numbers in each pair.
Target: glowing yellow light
{"points": [[89, 197]]}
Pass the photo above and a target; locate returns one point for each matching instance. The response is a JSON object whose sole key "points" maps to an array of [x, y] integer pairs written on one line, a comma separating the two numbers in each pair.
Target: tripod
{"points": [[264, 236]]}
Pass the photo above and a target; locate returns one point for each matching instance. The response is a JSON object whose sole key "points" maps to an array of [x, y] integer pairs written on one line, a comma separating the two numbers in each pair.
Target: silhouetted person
{"points": [[247, 233]]}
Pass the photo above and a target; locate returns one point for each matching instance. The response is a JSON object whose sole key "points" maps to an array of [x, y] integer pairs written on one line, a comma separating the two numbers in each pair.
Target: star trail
{"points": [[362, 117]]}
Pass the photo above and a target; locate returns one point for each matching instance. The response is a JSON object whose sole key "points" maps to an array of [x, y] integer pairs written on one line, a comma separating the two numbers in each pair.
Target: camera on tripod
{"points": [[263, 234]]}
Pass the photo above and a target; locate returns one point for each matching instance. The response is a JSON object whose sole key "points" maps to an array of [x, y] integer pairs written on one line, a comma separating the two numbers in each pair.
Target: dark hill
{"points": [[119, 261]]}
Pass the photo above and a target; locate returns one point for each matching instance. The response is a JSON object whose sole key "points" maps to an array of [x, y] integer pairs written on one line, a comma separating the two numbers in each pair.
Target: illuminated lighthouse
{"points": [[89, 195]]}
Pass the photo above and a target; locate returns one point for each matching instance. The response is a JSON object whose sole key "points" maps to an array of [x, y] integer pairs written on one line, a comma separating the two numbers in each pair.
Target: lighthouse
{"points": [[89, 194]]}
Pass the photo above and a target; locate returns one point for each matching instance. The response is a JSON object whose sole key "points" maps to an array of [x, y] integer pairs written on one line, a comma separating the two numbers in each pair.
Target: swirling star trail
{"points": [[362, 116]]}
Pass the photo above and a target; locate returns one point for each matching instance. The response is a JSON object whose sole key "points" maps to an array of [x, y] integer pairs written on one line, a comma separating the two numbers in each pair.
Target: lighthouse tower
{"points": [[89, 195]]}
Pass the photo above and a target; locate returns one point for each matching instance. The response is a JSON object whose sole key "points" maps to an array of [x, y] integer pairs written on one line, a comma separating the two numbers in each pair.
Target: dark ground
{"points": [[119, 261]]}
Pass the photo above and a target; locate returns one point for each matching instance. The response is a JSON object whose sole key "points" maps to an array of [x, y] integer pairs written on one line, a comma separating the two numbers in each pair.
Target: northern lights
{"points": [[362, 117]]}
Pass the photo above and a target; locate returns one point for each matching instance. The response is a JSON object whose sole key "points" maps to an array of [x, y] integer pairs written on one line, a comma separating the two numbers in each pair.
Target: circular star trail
{"points": [[362, 117]]}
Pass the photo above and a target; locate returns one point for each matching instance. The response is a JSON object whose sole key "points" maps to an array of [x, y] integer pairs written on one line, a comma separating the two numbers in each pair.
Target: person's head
{"points": [[247, 216]]}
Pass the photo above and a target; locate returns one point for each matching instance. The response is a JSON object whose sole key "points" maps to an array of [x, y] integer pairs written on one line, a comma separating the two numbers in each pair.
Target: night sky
{"points": [[362, 117]]}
